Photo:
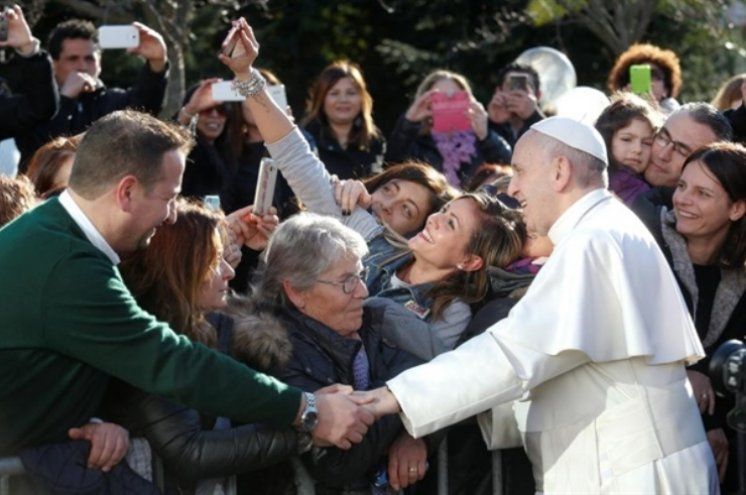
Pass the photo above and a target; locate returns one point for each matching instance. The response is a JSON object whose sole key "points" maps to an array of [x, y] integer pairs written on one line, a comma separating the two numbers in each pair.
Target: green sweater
{"points": [[68, 323]]}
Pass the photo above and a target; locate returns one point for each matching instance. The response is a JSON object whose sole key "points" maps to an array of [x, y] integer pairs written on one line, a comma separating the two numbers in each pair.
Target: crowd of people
{"points": [[506, 277]]}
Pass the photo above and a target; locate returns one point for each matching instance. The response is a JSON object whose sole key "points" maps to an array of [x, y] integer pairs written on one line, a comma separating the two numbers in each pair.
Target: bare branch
{"points": [[113, 14]]}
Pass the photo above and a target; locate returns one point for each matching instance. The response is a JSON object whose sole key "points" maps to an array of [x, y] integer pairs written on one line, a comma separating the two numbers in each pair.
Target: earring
{"points": [[460, 267]]}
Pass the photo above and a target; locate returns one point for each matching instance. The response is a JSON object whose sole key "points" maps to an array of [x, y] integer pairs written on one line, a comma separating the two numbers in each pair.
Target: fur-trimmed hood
{"points": [[260, 338]]}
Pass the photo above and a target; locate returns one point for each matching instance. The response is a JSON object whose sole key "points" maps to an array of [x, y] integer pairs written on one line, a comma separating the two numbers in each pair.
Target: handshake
{"points": [[345, 415]]}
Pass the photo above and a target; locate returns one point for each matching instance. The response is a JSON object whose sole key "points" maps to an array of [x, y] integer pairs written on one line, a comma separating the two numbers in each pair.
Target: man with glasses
{"points": [[690, 127]]}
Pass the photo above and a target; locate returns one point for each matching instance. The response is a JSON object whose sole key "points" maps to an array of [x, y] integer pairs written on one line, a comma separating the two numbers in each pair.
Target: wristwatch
{"points": [[309, 418]]}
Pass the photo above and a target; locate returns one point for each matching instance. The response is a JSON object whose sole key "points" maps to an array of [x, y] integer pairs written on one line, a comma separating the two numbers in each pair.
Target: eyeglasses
{"points": [[349, 284], [664, 139]]}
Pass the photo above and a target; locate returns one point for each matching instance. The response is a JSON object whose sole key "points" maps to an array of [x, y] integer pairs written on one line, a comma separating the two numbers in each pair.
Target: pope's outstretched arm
{"points": [[484, 372]]}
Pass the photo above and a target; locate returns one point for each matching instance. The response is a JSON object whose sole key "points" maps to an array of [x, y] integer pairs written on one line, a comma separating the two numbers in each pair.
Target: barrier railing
{"points": [[12, 466], [9, 467]]}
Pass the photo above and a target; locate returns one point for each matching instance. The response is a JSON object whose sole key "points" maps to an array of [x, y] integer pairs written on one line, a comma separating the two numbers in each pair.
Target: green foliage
{"points": [[397, 42]]}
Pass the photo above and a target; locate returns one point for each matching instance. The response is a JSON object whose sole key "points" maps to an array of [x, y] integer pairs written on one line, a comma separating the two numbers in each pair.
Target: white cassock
{"points": [[594, 357]]}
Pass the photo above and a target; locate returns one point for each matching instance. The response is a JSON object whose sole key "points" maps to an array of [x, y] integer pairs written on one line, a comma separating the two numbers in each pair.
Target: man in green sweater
{"points": [[68, 323]]}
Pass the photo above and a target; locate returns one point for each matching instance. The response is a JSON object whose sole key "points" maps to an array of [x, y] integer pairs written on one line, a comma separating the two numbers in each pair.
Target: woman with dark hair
{"points": [[339, 116], [182, 278], [50, 166], [704, 239], [456, 154], [665, 72], [211, 159], [437, 273]]}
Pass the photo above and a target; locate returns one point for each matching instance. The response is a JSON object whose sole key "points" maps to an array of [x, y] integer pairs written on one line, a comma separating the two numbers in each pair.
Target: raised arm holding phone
{"points": [[33, 97]]}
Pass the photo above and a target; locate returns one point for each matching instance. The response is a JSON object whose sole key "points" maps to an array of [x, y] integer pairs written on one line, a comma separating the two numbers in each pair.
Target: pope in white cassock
{"points": [[592, 357]]}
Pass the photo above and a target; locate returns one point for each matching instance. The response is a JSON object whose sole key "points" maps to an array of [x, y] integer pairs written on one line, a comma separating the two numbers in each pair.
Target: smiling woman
{"points": [[416, 280], [339, 116], [704, 239]]}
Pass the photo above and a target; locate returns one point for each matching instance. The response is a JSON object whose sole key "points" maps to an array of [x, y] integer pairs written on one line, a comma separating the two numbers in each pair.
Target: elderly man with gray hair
{"points": [[593, 354]]}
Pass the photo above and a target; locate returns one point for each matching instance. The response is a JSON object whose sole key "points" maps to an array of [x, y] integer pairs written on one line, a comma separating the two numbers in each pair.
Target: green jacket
{"points": [[68, 323]]}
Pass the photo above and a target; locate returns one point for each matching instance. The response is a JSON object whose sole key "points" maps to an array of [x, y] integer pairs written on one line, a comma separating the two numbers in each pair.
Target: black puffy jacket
{"points": [[321, 357], [28, 95]]}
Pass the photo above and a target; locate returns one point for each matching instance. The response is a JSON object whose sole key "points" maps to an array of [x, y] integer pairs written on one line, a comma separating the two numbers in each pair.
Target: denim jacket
{"points": [[382, 262]]}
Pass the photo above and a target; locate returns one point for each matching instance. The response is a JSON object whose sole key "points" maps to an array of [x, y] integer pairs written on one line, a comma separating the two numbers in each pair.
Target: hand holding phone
{"points": [[15, 31], [250, 229], [118, 36], [450, 113]]}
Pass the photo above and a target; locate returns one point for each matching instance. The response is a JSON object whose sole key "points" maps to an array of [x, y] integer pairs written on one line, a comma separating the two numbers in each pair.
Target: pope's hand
{"points": [[380, 401], [704, 395]]}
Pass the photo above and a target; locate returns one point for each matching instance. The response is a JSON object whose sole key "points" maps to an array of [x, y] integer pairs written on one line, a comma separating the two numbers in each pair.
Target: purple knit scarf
{"points": [[455, 148]]}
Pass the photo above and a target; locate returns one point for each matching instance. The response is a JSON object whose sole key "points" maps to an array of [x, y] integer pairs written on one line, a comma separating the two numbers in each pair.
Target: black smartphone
{"points": [[518, 82]]}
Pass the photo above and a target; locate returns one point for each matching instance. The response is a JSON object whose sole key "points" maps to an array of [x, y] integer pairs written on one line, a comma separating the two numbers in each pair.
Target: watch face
{"points": [[309, 420]]}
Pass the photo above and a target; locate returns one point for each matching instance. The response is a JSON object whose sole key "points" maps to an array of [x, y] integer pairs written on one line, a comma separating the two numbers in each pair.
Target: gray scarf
{"points": [[729, 291]]}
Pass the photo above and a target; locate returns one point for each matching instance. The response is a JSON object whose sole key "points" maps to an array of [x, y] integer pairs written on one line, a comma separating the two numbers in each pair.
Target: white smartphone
{"points": [[265, 186], [277, 92], [120, 36], [223, 91]]}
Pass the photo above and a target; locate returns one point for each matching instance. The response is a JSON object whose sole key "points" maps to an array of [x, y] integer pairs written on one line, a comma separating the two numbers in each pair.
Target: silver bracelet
{"points": [[252, 87]]}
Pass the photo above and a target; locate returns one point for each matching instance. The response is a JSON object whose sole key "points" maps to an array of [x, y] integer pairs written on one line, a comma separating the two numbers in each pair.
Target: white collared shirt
{"points": [[90, 230]]}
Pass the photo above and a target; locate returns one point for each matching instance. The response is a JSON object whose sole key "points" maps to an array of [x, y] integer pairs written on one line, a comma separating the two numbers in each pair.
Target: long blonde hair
{"points": [[430, 80]]}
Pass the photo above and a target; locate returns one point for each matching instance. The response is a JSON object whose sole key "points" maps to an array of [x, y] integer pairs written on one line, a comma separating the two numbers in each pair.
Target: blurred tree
{"points": [[695, 29], [397, 42], [620, 24]]}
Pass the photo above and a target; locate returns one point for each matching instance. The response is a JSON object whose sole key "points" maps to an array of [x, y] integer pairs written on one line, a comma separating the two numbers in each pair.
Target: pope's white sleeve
{"points": [[477, 376]]}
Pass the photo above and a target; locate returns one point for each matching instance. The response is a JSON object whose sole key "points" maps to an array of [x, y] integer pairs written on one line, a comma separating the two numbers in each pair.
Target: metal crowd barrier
{"points": [[12, 466], [9, 467]]}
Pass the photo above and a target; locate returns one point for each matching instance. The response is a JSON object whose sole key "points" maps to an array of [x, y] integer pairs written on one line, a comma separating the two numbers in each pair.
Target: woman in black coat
{"points": [[339, 116], [704, 239]]}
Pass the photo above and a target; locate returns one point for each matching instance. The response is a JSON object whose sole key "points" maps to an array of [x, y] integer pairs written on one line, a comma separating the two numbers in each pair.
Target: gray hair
{"points": [[707, 115], [590, 169], [301, 249]]}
